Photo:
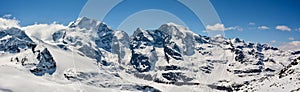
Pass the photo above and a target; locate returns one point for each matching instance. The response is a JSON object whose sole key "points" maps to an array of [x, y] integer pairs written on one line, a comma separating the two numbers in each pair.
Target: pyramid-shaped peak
{"points": [[172, 26], [85, 22]]}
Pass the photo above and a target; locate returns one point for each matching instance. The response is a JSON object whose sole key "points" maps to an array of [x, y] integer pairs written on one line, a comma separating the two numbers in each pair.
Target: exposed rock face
{"points": [[13, 40], [168, 55], [46, 64], [143, 52], [59, 35]]}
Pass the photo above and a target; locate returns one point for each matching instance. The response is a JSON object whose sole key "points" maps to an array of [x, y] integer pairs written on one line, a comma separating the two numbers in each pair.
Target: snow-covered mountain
{"points": [[87, 55]]}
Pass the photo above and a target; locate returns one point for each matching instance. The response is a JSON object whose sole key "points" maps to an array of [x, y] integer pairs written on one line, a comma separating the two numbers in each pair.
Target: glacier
{"points": [[88, 55]]}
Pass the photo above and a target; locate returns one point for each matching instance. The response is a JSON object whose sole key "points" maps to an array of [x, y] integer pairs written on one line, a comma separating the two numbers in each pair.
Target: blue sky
{"points": [[269, 13], [251, 20], [42, 11]]}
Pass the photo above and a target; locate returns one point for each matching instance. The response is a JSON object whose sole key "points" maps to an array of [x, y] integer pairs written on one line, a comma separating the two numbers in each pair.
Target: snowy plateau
{"points": [[89, 56]]}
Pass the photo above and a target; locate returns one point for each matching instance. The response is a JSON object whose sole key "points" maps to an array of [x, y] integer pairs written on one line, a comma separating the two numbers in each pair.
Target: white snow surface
{"points": [[89, 76]]}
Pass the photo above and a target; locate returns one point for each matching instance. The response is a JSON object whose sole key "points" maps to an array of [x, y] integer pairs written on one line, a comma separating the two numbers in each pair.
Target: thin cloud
{"points": [[251, 23], [221, 27], [273, 41], [291, 38], [298, 29], [7, 16], [263, 28], [42, 31], [293, 46], [283, 28], [9, 23]]}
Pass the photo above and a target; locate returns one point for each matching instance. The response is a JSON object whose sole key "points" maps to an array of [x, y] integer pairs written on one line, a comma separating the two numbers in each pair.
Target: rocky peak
{"points": [[91, 24], [13, 40], [84, 22], [174, 30]]}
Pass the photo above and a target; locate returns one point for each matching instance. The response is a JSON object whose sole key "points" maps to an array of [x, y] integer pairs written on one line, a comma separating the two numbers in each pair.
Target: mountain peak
{"points": [[86, 23], [172, 24], [138, 30], [172, 28], [171, 55]]}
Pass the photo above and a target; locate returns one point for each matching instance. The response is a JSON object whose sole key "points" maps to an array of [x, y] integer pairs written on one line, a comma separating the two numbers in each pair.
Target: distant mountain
{"points": [[88, 55]]}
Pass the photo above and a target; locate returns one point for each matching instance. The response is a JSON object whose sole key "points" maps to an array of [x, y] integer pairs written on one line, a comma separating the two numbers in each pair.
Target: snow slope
{"points": [[87, 55]]}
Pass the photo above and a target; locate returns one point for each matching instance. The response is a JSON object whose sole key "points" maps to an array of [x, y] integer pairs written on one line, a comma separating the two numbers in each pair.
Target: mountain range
{"points": [[88, 55]]}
